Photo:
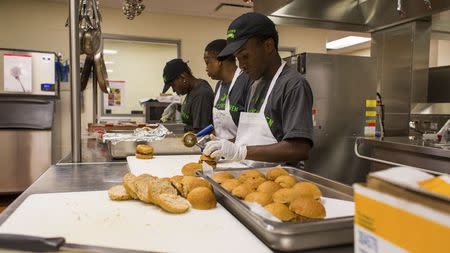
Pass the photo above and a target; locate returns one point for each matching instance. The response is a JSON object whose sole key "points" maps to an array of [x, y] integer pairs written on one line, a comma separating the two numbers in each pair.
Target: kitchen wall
{"points": [[39, 25], [439, 53]]}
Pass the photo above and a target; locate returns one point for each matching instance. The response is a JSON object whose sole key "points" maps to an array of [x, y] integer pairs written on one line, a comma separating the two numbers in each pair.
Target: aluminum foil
{"points": [[144, 134]]}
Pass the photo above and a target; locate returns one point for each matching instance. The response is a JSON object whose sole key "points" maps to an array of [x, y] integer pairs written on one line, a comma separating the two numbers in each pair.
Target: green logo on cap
{"points": [[231, 34]]}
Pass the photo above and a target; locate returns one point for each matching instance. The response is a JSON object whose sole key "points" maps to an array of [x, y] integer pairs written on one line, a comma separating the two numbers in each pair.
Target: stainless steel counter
{"points": [[71, 178], [92, 151], [407, 151], [94, 177]]}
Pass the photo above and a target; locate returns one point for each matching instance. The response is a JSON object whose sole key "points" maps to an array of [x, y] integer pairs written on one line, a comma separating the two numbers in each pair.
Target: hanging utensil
{"points": [[84, 24], [92, 36], [86, 72], [100, 71]]}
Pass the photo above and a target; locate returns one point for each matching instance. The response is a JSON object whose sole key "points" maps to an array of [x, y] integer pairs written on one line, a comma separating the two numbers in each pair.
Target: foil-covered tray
{"points": [[171, 144], [144, 134], [292, 236]]}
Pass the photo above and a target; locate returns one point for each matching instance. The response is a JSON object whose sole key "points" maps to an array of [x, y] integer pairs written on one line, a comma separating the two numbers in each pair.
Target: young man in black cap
{"points": [[231, 90], [196, 111], [277, 125]]}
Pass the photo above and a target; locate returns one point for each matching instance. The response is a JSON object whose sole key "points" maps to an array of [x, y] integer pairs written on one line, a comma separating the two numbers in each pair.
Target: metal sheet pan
{"points": [[293, 236]]}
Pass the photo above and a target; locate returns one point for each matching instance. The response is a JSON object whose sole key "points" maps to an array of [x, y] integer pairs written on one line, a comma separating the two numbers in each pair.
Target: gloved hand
{"points": [[217, 148], [169, 112]]}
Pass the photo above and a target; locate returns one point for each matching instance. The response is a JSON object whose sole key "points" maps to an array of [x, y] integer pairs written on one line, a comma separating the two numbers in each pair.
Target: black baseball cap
{"points": [[173, 69], [243, 28]]}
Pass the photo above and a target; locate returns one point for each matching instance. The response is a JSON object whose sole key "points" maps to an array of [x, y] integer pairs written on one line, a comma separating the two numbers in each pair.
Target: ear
{"points": [[269, 45]]}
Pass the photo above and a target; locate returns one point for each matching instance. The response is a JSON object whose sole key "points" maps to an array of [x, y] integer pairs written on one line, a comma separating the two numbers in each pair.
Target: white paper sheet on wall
{"points": [[17, 72]]}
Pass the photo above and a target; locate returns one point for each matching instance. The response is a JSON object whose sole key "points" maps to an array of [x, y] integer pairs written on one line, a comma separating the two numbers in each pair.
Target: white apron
{"points": [[253, 127], [224, 126]]}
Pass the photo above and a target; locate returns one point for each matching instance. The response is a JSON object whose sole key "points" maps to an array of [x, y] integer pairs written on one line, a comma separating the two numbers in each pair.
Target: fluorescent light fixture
{"points": [[109, 51], [346, 42], [109, 70], [109, 62]]}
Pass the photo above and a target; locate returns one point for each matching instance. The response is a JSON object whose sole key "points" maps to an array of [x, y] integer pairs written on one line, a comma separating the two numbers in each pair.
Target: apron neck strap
{"points": [[272, 84], [233, 81]]}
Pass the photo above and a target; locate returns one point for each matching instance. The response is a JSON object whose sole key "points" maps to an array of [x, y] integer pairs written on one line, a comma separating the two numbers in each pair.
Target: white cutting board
{"points": [[91, 218], [168, 166]]}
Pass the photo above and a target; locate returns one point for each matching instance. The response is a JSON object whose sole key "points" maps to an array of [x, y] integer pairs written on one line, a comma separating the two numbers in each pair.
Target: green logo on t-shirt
{"points": [[184, 117], [223, 97], [220, 106], [234, 108], [269, 121]]}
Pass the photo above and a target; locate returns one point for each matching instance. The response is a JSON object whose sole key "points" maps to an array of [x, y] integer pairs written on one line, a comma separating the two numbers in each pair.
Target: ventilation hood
{"points": [[349, 15]]}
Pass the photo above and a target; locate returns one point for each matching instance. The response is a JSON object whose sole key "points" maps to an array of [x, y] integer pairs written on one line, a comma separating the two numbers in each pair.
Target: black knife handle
{"points": [[30, 243]]}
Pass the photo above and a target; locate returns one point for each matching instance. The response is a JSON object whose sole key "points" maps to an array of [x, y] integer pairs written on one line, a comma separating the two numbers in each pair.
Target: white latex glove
{"points": [[221, 148], [169, 112]]}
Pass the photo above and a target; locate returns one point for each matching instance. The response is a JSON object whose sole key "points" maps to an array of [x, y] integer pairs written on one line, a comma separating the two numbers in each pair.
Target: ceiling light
{"points": [[109, 51], [346, 42], [109, 62], [109, 71]]}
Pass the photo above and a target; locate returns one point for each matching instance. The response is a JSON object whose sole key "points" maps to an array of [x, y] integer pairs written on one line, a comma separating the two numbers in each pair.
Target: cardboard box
{"points": [[393, 214]]}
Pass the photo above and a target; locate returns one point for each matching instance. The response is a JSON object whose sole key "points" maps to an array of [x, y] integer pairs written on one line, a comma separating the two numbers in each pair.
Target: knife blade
{"points": [[52, 244]]}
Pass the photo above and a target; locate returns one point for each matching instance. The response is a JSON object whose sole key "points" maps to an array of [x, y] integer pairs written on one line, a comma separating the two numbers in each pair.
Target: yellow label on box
{"points": [[404, 229], [371, 113], [371, 103]]}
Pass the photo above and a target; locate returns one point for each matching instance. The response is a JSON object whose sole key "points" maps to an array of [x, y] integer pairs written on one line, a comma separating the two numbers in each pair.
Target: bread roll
{"points": [[286, 181], [176, 182], [268, 187], [142, 183], [190, 182], [128, 184], [190, 169], [142, 156], [242, 190], [284, 196], [167, 179], [308, 208], [118, 192], [262, 198], [230, 184], [173, 203], [202, 198], [144, 151], [280, 211], [307, 189], [221, 176], [158, 187], [209, 160], [249, 174], [254, 182], [275, 172]]}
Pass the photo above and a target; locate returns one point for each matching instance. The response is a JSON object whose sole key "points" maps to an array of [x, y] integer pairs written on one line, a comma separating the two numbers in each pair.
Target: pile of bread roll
{"points": [[174, 195], [277, 191]]}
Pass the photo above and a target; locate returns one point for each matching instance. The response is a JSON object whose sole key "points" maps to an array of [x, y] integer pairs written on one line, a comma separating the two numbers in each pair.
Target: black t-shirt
{"points": [[196, 111], [289, 107], [238, 96]]}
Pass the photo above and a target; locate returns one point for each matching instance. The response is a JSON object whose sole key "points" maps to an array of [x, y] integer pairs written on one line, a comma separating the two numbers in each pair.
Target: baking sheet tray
{"points": [[336, 229]]}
